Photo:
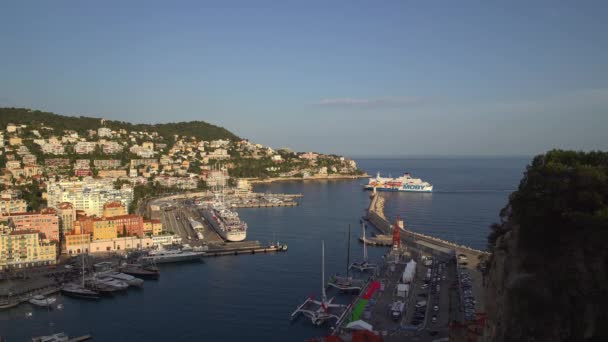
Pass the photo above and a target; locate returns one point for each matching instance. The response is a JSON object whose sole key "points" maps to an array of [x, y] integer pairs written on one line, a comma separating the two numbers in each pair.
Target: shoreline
{"points": [[253, 181]]}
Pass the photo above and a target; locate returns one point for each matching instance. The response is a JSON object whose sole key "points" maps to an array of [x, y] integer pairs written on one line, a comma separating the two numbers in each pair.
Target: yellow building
{"points": [[100, 229], [153, 227], [148, 145], [15, 141], [104, 229], [24, 248], [76, 243], [116, 208]]}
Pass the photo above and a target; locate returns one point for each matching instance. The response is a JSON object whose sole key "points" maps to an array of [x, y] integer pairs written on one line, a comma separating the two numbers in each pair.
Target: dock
{"points": [[436, 294], [23, 297], [265, 205], [378, 240], [246, 247]]}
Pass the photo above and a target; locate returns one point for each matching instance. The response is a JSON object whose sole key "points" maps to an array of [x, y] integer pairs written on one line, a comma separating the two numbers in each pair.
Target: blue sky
{"points": [[352, 77]]}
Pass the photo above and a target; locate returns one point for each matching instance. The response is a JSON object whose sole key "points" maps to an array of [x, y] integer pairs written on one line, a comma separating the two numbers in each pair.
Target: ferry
{"points": [[403, 183]]}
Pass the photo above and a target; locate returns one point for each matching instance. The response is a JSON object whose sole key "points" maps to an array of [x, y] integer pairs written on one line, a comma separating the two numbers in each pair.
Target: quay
{"points": [[246, 247], [10, 300], [378, 240], [264, 205], [443, 299]]}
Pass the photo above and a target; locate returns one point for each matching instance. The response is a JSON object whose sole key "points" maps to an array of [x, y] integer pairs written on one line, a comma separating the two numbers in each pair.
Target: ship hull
{"points": [[228, 236], [402, 189]]}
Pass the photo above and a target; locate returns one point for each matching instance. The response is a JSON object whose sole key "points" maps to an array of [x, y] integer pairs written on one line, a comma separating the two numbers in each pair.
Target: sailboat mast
{"points": [[364, 244], [323, 270], [83, 268], [348, 251]]}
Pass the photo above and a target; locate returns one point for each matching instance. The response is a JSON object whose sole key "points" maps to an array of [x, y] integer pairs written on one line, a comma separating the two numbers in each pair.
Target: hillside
{"points": [[547, 278], [198, 129]]}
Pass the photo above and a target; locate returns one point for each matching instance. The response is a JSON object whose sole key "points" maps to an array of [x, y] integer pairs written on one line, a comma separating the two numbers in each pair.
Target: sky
{"points": [[373, 78]]}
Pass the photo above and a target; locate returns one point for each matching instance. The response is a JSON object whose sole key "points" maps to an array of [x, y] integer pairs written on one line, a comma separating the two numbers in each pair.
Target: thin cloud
{"points": [[364, 102]]}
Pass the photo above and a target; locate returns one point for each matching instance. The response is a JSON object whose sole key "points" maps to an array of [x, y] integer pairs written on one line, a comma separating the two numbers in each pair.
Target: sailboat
{"points": [[322, 311], [363, 265], [348, 283], [79, 290]]}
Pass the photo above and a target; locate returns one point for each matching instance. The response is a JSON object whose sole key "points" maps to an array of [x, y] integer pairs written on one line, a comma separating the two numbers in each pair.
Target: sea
{"points": [[251, 297]]}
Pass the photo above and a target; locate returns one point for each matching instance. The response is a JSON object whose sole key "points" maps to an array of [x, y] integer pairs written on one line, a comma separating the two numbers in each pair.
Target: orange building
{"points": [[98, 228], [114, 209], [46, 221], [129, 224]]}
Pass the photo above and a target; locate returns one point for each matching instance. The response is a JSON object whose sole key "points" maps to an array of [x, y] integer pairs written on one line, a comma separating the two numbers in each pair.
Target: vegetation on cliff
{"points": [[199, 129], [563, 194], [547, 277]]}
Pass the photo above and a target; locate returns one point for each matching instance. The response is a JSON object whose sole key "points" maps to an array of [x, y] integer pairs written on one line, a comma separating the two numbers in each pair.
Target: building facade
{"points": [[88, 195], [8, 206], [46, 222], [20, 249]]}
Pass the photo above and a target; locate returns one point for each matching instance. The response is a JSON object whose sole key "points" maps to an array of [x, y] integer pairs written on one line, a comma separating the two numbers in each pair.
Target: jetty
{"points": [[12, 299], [375, 215], [425, 288], [246, 247]]}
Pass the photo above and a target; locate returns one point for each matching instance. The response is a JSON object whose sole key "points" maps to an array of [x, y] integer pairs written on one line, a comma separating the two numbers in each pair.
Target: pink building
{"points": [[46, 221]]}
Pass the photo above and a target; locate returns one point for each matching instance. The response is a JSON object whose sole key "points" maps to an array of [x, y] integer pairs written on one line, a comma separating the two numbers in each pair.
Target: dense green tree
{"points": [[35, 118]]}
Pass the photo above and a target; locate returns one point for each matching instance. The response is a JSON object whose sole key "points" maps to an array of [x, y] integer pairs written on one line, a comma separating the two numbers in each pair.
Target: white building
{"points": [[89, 194], [85, 147], [49, 148], [104, 132], [11, 128]]}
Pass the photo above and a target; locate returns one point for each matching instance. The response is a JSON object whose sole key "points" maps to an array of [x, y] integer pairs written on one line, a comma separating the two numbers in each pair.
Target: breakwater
{"points": [[375, 215]]}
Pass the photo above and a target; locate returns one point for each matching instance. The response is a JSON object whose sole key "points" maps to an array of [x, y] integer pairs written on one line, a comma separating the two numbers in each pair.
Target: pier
{"points": [[443, 299], [246, 247], [375, 216]]}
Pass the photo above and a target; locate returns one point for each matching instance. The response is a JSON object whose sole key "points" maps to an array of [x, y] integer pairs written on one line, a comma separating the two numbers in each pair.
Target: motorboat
{"points": [[127, 278], [40, 300]]}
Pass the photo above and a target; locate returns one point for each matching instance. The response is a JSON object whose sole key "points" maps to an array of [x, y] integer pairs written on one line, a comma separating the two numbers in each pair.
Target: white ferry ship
{"points": [[225, 222], [403, 183]]}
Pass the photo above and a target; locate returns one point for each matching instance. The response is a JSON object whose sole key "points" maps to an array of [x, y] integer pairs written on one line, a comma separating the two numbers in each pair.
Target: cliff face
{"points": [[547, 277]]}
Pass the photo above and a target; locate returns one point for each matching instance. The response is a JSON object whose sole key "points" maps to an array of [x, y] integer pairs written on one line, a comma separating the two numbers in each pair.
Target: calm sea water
{"points": [[251, 296]]}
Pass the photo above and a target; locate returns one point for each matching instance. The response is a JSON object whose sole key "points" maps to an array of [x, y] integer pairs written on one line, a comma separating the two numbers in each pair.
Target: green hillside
{"points": [[81, 124]]}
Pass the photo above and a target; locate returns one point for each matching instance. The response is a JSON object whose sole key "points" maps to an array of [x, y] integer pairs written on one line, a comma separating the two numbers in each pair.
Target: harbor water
{"points": [[251, 296]]}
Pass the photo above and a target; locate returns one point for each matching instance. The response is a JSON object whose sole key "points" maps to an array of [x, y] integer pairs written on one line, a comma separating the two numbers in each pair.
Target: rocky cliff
{"points": [[547, 276]]}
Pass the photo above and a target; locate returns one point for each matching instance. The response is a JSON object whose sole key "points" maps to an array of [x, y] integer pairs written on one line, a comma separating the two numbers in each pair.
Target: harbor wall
{"points": [[376, 216]]}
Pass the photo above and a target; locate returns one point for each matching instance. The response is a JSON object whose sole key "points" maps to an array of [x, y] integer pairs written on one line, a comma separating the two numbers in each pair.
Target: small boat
{"points": [[140, 271], [40, 300], [79, 291], [127, 278], [119, 285], [59, 337], [101, 288], [348, 283]]}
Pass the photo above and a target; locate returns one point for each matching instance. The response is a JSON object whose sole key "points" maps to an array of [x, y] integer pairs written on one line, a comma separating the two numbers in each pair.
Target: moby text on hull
{"points": [[403, 183]]}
